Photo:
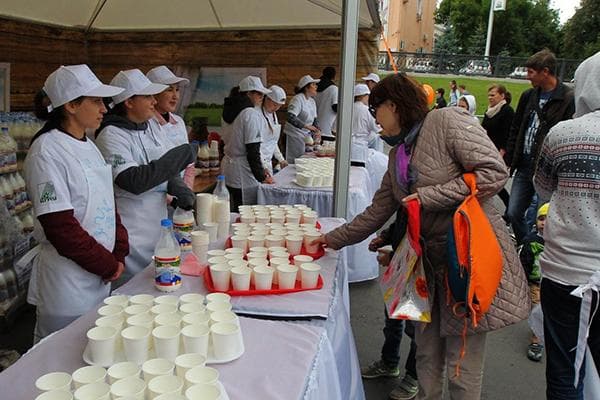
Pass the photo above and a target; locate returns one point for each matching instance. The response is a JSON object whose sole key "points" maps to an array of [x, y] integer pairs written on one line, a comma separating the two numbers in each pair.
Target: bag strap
{"points": [[471, 181], [413, 210]]}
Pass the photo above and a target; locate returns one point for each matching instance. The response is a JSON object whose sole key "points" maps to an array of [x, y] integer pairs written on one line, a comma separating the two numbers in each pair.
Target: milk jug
{"points": [[183, 225], [167, 273]]}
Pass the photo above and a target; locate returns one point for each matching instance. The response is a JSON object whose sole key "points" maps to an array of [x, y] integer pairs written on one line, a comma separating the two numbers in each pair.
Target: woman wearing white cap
{"points": [[82, 243], [242, 164], [145, 167], [269, 147], [301, 118], [364, 126], [371, 80]]}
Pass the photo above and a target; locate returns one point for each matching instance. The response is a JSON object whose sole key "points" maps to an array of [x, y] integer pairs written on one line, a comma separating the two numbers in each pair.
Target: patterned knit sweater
{"points": [[568, 173]]}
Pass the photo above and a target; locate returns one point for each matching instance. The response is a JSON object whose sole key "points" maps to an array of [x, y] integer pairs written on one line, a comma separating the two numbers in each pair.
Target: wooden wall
{"points": [[35, 50]]}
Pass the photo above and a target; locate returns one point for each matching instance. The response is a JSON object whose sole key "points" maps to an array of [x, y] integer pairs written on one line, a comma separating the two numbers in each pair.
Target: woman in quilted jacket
{"points": [[431, 152]]}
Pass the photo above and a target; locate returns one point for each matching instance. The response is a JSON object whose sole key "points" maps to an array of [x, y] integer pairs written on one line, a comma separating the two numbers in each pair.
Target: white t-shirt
{"points": [[245, 129], [305, 109], [364, 126], [325, 114], [174, 130], [271, 131]]}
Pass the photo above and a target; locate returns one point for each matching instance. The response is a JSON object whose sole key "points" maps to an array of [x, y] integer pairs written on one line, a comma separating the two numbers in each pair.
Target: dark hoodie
{"points": [[233, 106], [324, 83]]}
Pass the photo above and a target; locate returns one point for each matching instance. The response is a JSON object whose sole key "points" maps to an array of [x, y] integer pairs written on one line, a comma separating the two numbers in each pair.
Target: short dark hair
{"points": [[441, 91], [453, 82], [329, 72], [462, 86], [408, 96], [542, 59]]}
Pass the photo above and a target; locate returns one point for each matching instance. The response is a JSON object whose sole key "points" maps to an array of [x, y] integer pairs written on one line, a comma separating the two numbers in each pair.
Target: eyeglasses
{"points": [[373, 108]]}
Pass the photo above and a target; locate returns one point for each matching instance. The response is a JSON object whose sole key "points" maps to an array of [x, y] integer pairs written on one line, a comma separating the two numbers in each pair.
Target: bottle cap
{"points": [[221, 177], [166, 223]]}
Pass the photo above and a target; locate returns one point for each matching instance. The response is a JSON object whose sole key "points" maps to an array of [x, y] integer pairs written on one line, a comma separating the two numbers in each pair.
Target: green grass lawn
{"points": [[213, 114]]}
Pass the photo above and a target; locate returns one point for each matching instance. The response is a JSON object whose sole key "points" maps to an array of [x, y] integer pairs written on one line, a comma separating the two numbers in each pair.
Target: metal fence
{"points": [[469, 64]]}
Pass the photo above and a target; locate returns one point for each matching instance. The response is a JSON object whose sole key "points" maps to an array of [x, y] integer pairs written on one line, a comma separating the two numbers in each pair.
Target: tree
{"points": [[582, 31], [447, 42]]}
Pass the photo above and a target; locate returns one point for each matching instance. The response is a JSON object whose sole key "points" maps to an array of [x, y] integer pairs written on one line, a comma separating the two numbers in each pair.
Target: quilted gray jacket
{"points": [[449, 144]]}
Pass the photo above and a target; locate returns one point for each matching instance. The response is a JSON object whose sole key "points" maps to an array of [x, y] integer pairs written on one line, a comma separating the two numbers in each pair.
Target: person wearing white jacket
{"points": [[364, 126], [269, 147], [301, 118]]}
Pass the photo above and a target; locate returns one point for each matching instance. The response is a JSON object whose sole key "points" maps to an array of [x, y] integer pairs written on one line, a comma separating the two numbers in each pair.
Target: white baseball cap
{"points": [[361, 89], [72, 81], [165, 76], [135, 83], [253, 83], [305, 80], [277, 94], [371, 77]]}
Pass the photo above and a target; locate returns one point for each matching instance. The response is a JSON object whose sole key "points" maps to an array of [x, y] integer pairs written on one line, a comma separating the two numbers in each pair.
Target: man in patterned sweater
{"points": [[568, 173]]}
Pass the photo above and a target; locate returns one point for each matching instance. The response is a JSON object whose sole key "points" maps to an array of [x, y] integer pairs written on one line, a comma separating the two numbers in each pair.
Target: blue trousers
{"points": [[390, 352], [521, 196]]}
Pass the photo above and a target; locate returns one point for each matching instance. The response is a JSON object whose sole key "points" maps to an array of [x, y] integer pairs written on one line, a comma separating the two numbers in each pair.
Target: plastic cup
{"points": [[275, 262], [145, 320], [221, 275], [287, 276], [191, 298], [167, 299], [240, 279], [237, 263], [131, 387], [110, 309], [294, 244], [218, 306], [212, 228], [263, 218], [258, 262], [169, 397], [200, 248], [123, 370], [276, 249], [309, 273], [224, 316], [102, 341], [293, 218], [136, 309], [278, 218], [185, 362], [157, 367], [215, 297], [163, 309], [190, 308], [201, 375], [114, 321], [167, 319], [216, 253], [256, 256], [166, 341], [234, 250], [147, 299], [89, 374], [308, 238], [310, 217], [117, 300], [197, 318], [247, 218], [54, 381], [204, 392], [55, 395], [274, 241], [263, 278], [226, 339], [166, 384], [136, 340], [195, 339], [93, 391], [241, 242], [256, 241]]}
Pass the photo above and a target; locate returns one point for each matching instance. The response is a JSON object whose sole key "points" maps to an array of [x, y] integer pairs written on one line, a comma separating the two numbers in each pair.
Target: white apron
{"points": [[307, 112], [61, 289], [239, 175], [268, 145]]}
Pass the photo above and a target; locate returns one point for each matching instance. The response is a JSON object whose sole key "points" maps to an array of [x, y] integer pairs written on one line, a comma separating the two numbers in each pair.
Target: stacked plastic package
{"points": [[212, 215]]}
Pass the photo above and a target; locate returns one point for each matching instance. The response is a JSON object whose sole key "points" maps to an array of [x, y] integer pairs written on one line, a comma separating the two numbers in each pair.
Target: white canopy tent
{"points": [[224, 15]]}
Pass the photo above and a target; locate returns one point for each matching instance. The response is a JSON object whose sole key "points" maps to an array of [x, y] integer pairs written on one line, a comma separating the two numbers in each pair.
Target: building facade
{"points": [[408, 25]]}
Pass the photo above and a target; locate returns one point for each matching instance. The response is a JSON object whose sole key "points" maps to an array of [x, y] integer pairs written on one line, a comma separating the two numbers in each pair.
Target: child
{"points": [[533, 246]]}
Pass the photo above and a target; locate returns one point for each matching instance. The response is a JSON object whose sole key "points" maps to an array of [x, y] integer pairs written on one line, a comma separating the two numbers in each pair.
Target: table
{"points": [[362, 264], [325, 363]]}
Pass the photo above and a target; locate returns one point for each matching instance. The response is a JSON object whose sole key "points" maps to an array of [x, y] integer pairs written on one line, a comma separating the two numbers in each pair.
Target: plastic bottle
{"points": [[221, 191], [308, 144], [213, 153], [17, 191], [183, 225], [8, 195], [23, 189], [167, 260], [11, 150], [19, 225], [204, 157], [3, 154], [28, 222], [11, 283]]}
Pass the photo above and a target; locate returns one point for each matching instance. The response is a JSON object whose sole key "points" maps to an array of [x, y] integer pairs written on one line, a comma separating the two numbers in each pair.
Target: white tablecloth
{"points": [[362, 264]]}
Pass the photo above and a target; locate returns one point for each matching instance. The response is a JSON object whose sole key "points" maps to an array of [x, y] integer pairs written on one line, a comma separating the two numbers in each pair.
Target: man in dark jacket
{"points": [[539, 109]]}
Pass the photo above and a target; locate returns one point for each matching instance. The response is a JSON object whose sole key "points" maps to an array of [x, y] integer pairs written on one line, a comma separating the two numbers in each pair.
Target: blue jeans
{"points": [[561, 326], [390, 352], [521, 196]]}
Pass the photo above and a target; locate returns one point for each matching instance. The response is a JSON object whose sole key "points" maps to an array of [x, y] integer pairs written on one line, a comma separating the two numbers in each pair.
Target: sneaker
{"points": [[379, 369], [408, 389], [535, 352]]}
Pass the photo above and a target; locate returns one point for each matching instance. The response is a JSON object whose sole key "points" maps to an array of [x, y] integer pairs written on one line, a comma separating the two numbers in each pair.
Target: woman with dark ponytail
{"points": [[82, 242]]}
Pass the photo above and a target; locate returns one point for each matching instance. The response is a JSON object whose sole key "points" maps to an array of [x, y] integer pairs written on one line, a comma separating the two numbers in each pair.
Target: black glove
{"points": [[184, 197]]}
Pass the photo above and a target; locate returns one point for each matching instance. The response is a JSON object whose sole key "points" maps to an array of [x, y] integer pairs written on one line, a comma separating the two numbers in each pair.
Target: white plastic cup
{"points": [[287, 276], [256, 241], [89, 374], [278, 218], [196, 318], [301, 259], [102, 341], [213, 229], [237, 263], [221, 275], [190, 308], [241, 242], [167, 299], [274, 241], [195, 339], [310, 217], [110, 309], [130, 387], [218, 306], [263, 278], [234, 250], [200, 242], [123, 370], [216, 297], [247, 218], [294, 244], [167, 319], [54, 381], [217, 260], [136, 340], [147, 299], [309, 273], [308, 238], [136, 309], [258, 262], [276, 249], [157, 367], [226, 339], [166, 341], [169, 397], [55, 395], [114, 321], [166, 384], [117, 300], [204, 392], [216, 253], [185, 362], [145, 320], [163, 309], [93, 391], [201, 375], [224, 316], [240, 278], [275, 262]]}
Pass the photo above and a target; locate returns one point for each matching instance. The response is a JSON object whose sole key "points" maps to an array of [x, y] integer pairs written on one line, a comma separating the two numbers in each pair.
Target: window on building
{"points": [[402, 45], [419, 10]]}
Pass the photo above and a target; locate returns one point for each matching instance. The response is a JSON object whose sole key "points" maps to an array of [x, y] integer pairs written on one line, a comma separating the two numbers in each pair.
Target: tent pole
{"points": [[350, 14]]}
